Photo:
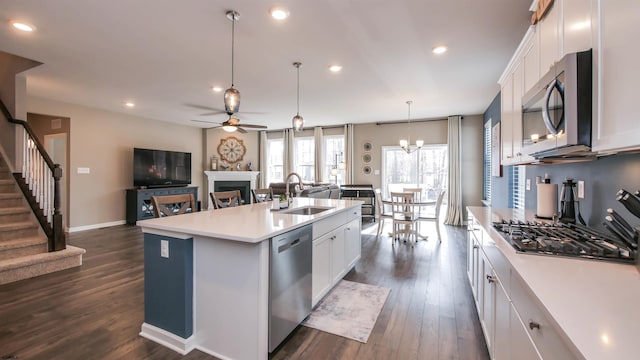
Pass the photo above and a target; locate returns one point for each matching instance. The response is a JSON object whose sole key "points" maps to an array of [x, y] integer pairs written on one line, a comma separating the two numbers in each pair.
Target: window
{"points": [[304, 159], [486, 183], [516, 187], [275, 161], [333, 159], [426, 168]]}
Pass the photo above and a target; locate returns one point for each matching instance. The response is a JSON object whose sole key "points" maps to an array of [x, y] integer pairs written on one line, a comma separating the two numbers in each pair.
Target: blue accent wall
{"points": [[602, 177], [168, 285]]}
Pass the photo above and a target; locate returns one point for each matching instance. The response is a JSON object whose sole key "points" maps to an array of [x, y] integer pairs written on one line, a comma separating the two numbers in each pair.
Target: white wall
{"points": [[103, 141]]}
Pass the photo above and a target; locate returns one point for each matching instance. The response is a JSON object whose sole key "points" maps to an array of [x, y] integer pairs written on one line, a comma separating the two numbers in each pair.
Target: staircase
{"points": [[23, 244]]}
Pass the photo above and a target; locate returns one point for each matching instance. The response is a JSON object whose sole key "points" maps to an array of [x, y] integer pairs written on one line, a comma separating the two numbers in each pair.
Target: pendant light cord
{"points": [[233, 37], [298, 101], [409, 124]]}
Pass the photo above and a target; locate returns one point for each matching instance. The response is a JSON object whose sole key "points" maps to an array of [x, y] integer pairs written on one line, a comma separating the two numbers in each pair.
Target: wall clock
{"points": [[231, 149]]}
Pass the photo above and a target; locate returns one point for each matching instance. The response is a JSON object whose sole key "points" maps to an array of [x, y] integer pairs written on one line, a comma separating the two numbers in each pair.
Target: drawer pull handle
{"points": [[533, 325], [491, 279]]}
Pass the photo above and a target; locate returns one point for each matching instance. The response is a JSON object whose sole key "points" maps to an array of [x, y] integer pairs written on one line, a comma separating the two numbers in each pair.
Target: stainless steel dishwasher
{"points": [[289, 283]]}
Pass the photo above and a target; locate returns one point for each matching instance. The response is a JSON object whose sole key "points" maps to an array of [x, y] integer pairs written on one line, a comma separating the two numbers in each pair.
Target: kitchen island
{"points": [[549, 307], [207, 273]]}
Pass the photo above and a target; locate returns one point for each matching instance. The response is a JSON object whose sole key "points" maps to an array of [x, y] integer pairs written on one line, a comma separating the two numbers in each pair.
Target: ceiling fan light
{"points": [[298, 122], [231, 100], [229, 128]]}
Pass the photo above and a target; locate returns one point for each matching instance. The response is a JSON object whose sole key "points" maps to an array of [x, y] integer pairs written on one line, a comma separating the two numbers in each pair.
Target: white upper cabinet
{"points": [[616, 77], [576, 26], [506, 121], [550, 44], [531, 60]]}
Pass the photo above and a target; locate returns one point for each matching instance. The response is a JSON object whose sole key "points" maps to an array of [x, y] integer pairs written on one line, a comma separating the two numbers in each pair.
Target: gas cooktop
{"points": [[560, 239]]}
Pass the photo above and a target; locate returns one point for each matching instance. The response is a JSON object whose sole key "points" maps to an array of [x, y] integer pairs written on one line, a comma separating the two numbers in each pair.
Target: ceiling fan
{"points": [[216, 111], [233, 124]]}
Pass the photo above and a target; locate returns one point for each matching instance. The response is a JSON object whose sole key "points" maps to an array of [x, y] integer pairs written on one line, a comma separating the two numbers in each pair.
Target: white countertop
{"points": [[248, 223], [594, 302]]}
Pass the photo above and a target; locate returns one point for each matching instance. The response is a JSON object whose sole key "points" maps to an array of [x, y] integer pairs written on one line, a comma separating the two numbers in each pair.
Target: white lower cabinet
{"points": [[352, 243], [520, 343], [336, 249], [321, 278], [515, 325]]}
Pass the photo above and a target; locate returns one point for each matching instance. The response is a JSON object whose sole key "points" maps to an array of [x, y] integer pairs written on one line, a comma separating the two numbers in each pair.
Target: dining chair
{"points": [[436, 211], [417, 199], [381, 215], [224, 199], [405, 219], [262, 195], [170, 205]]}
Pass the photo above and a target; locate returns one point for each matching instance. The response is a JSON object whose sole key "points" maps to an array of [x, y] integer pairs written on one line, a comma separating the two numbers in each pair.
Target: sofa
{"points": [[312, 190]]}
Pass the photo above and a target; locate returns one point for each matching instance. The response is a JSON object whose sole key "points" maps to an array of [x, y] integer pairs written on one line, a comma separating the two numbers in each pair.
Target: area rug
{"points": [[349, 310]]}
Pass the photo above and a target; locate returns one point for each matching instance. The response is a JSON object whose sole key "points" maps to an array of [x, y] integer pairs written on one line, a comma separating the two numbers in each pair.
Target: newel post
{"points": [[59, 241]]}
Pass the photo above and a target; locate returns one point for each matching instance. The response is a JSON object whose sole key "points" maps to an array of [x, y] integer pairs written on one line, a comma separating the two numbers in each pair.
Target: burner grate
{"points": [[560, 239]]}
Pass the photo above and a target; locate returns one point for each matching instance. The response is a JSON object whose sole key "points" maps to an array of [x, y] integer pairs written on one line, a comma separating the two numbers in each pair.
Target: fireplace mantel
{"points": [[213, 176]]}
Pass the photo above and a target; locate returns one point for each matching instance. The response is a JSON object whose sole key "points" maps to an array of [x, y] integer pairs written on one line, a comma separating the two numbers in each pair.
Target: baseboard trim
{"points": [[167, 339], [96, 226]]}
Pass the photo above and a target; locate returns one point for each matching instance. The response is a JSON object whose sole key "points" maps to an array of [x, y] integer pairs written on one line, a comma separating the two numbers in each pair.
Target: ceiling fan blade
{"points": [[241, 130], [202, 107], [249, 126], [213, 113], [208, 122]]}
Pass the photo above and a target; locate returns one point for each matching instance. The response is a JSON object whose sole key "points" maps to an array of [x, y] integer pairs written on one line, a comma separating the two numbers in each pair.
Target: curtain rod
{"points": [[407, 121]]}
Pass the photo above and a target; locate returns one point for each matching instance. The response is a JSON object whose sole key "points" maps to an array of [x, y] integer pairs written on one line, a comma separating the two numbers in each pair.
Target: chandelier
{"points": [[405, 144]]}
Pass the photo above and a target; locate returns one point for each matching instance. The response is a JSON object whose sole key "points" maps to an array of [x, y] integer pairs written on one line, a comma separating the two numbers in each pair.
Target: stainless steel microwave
{"points": [[556, 112]]}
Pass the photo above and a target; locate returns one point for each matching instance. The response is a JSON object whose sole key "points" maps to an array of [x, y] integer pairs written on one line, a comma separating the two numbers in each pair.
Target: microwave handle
{"points": [[545, 108]]}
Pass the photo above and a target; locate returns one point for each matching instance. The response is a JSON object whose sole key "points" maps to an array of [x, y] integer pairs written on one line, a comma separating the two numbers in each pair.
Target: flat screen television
{"points": [[160, 168]]}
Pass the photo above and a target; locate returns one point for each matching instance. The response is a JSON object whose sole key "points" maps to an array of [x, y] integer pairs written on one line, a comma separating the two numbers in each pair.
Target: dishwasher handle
{"points": [[289, 245]]}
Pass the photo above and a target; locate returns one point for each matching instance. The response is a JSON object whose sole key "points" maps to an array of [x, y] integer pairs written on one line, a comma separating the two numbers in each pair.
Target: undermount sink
{"points": [[306, 210]]}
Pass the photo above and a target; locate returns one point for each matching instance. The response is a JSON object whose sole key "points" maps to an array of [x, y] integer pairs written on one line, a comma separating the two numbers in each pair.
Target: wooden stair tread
{"points": [[7, 182], [10, 195]]}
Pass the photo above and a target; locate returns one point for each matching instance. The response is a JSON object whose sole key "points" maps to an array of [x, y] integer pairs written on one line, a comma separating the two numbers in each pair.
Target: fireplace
{"points": [[231, 180], [243, 186]]}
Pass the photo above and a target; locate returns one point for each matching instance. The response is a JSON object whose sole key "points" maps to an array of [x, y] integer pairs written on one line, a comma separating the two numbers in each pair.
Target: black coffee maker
{"points": [[569, 206]]}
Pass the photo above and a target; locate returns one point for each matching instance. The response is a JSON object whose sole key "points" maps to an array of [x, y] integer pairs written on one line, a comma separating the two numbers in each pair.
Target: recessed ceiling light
{"points": [[216, 88], [335, 68], [279, 13], [22, 26], [129, 104], [439, 49]]}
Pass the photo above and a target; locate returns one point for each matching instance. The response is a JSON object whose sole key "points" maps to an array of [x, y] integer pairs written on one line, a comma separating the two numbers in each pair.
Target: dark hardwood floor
{"points": [[95, 311]]}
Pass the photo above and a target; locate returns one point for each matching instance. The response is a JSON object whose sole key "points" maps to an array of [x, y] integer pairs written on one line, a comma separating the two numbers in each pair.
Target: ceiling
{"points": [[165, 55]]}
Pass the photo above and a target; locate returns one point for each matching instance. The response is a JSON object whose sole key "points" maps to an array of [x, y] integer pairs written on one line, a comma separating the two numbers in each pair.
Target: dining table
{"points": [[418, 204]]}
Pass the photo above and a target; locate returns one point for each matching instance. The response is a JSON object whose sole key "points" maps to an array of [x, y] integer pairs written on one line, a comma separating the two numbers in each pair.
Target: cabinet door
{"points": [[352, 243], [486, 302], [520, 343], [501, 335], [338, 268], [616, 126], [576, 25], [550, 38], [531, 61], [506, 121], [321, 278]]}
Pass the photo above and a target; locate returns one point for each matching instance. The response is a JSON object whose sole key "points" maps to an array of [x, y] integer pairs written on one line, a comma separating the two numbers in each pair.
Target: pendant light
{"points": [[232, 95], [298, 121], [406, 144]]}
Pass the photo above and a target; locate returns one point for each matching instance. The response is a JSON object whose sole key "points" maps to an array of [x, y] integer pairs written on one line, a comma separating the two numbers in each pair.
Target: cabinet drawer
{"points": [[331, 223], [548, 339]]}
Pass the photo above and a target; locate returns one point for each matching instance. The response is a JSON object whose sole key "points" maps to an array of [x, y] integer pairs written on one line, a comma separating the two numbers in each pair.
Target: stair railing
{"points": [[39, 181]]}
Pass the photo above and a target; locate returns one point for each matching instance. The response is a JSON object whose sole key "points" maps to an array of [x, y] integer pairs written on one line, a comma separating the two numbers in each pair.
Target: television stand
{"points": [[139, 205]]}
